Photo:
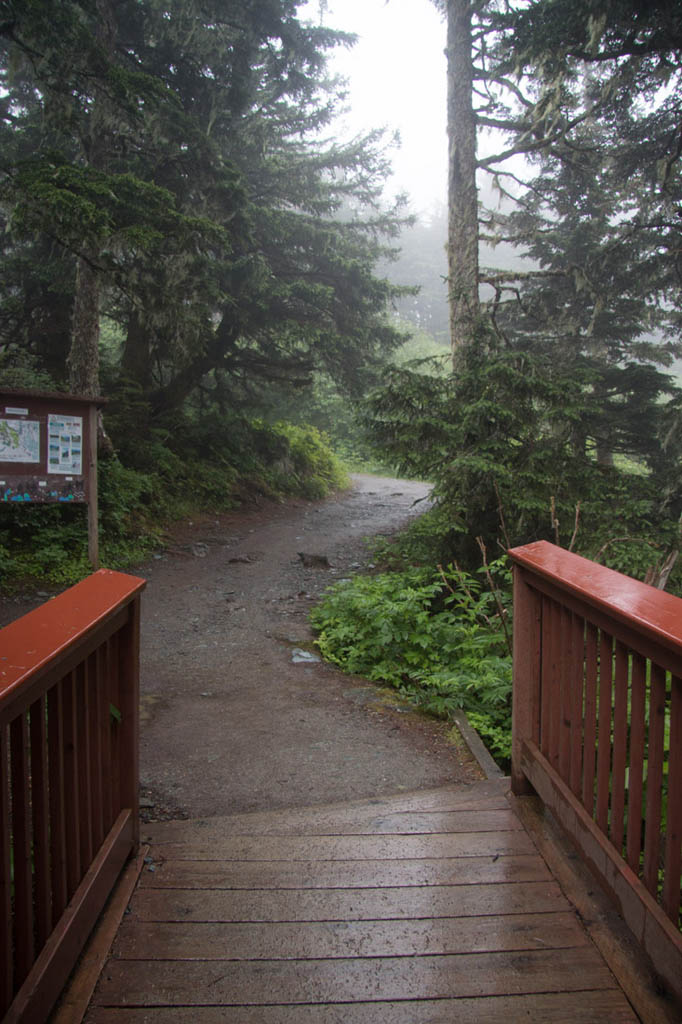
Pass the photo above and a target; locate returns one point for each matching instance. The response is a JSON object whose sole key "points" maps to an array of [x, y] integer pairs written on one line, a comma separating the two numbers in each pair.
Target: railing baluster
{"points": [[636, 766], [129, 696], [673, 837], [82, 703], [105, 733], [590, 739], [554, 695], [21, 835], [620, 730], [72, 825], [546, 671], [97, 709], [55, 758], [605, 724], [115, 726], [565, 675], [654, 782], [6, 917], [40, 807], [577, 686]]}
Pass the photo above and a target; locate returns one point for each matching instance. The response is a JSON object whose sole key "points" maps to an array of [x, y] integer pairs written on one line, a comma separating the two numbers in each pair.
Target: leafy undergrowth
{"points": [[434, 635]]}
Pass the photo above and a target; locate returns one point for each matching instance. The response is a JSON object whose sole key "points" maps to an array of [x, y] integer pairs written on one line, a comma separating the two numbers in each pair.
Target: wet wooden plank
{"points": [[500, 819], [350, 980], [335, 848], [354, 914], [478, 798], [307, 940], [343, 874], [608, 1007], [347, 904]]}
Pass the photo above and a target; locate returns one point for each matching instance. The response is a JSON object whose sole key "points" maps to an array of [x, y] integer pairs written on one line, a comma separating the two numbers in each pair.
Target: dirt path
{"points": [[230, 721]]}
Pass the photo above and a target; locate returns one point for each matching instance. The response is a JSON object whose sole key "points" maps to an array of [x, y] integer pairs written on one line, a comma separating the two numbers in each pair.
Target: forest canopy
{"points": [[171, 169], [183, 232]]}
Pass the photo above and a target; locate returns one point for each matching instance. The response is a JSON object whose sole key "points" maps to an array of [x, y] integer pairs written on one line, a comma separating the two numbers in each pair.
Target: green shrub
{"points": [[309, 467], [435, 636]]}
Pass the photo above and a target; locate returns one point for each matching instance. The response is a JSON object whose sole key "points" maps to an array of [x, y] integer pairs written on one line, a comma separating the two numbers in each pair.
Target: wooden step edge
{"points": [[628, 963], [75, 999], [394, 804]]}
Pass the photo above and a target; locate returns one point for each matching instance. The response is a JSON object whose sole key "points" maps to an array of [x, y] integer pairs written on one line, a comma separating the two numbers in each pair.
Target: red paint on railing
{"points": [[597, 688], [68, 780], [649, 611], [40, 637]]}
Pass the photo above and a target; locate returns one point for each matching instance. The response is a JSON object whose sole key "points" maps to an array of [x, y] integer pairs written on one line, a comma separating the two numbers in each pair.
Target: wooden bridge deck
{"points": [[433, 907]]}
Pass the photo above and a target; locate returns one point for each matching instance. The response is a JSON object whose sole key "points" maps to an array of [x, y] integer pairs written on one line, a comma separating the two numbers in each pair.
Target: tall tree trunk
{"points": [[462, 192], [83, 360]]}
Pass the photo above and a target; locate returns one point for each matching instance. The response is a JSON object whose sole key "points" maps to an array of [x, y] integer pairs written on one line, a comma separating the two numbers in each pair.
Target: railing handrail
{"points": [[40, 639], [637, 605]]}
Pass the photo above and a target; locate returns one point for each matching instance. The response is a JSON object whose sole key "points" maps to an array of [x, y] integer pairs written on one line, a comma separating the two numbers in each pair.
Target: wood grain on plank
{"points": [[282, 941], [607, 1007], [358, 847], [343, 874], [132, 982], [205, 831], [347, 904]]}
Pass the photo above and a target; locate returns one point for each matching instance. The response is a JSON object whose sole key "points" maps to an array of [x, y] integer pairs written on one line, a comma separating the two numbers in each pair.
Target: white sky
{"points": [[397, 78]]}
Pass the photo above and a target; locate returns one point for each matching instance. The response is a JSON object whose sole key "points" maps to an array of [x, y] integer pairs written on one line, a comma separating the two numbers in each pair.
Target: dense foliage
{"points": [[168, 165], [182, 233], [559, 420], [181, 230], [433, 635]]}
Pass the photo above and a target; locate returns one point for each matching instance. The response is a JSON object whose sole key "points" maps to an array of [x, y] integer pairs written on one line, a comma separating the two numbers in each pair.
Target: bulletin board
{"points": [[48, 451]]}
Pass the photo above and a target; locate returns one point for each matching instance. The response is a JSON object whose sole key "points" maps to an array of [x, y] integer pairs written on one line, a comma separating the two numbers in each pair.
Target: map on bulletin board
{"points": [[19, 441]]}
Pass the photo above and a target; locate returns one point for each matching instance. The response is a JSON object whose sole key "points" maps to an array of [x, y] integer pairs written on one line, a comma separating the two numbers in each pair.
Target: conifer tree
{"points": [[176, 158]]}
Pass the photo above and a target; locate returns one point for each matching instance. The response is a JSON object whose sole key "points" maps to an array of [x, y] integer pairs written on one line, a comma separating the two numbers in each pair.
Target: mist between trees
{"points": [[183, 233]]}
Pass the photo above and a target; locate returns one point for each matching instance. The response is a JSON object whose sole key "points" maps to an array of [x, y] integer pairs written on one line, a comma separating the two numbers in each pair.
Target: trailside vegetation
{"points": [[182, 233], [560, 419]]}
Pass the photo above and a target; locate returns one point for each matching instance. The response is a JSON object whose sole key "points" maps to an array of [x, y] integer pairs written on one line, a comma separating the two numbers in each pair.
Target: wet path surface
{"points": [[230, 722]]}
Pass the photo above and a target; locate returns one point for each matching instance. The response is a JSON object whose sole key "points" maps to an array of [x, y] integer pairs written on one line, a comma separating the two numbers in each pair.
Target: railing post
{"points": [[526, 675]]}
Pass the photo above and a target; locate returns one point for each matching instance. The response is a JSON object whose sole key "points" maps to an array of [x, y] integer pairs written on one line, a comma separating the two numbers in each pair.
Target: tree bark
{"points": [[462, 192], [83, 360]]}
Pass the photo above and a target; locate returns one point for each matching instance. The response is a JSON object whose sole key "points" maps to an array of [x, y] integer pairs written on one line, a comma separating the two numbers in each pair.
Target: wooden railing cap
{"points": [[638, 605], [37, 638]]}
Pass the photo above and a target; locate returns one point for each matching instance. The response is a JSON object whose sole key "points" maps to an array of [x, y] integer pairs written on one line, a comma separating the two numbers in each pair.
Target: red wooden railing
{"points": [[597, 730], [68, 780]]}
